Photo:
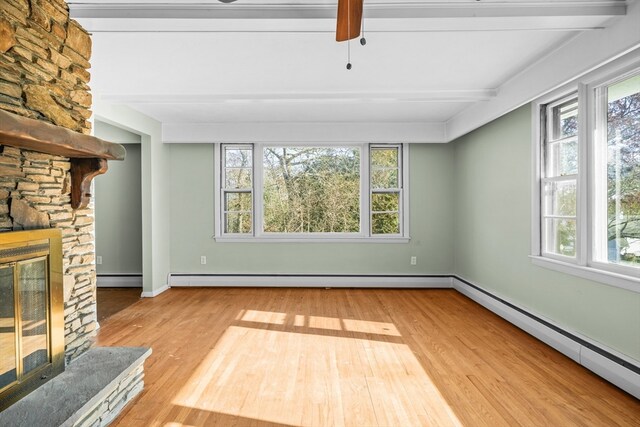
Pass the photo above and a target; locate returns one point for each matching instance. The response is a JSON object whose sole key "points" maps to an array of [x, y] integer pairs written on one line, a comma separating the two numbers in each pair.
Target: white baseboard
{"points": [[155, 292], [312, 281], [622, 377], [128, 281]]}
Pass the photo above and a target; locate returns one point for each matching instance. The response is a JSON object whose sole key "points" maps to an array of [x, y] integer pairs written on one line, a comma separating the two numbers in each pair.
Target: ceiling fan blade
{"points": [[349, 19]]}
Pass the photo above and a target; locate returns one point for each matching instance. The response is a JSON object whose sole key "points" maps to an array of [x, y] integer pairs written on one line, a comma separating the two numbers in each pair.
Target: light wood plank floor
{"points": [[112, 300], [307, 357]]}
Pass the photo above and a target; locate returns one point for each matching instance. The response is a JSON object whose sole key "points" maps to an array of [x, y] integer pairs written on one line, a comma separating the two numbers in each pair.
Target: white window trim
{"points": [[364, 236], [584, 265]]}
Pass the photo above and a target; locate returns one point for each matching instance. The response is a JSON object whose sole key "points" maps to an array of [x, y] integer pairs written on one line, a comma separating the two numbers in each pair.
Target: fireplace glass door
{"points": [[8, 321], [24, 317], [31, 311], [32, 275]]}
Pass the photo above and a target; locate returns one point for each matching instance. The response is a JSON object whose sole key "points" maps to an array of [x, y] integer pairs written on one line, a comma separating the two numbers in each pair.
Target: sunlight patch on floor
{"points": [[318, 322], [264, 317], [307, 379]]}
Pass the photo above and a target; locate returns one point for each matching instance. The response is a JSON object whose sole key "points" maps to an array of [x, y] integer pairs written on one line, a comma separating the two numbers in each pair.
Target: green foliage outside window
{"points": [[311, 190]]}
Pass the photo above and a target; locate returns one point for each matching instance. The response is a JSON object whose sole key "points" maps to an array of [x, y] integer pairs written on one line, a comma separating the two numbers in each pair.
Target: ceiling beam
{"points": [[472, 95], [380, 17], [216, 10], [303, 132]]}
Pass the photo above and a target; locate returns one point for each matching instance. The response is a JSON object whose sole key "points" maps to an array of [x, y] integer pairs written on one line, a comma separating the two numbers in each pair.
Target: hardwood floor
{"points": [[112, 300], [305, 357]]}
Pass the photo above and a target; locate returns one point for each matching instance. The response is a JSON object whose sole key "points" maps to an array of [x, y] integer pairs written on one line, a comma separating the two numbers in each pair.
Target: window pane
{"points": [[238, 202], [562, 158], [385, 202], [238, 157], [311, 189], [565, 120], [384, 157], [238, 222], [560, 198], [561, 236], [384, 178], [238, 178], [385, 223], [623, 172]]}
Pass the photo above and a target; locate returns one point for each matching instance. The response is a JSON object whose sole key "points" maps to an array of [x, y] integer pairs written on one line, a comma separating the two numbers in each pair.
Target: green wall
{"points": [[155, 182], [118, 205], [192, 226], [492, 233]]}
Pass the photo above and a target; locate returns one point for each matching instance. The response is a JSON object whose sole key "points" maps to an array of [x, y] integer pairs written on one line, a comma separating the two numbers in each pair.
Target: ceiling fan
{"points": [[349, 19]]}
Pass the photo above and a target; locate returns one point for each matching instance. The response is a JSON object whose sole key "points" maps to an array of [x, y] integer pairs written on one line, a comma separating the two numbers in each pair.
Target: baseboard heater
{"points": [[119, 280], [615, 368], [311, 280]]}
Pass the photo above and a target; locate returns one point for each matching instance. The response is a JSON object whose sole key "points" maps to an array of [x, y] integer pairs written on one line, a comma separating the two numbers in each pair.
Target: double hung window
{"points": [[560, 178], [589, 180]]}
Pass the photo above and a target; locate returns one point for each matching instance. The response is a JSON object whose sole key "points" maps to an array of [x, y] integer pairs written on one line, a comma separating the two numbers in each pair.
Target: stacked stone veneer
{"points": [[104, 412], [44, 57]]}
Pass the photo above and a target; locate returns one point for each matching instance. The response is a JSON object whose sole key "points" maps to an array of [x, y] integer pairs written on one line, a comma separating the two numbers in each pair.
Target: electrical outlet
{"points": [[203, 260], [414, 260], [99, 259]]}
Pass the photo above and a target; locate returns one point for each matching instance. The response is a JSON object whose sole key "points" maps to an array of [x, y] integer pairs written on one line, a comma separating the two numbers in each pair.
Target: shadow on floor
{"points": [[113, 300]]}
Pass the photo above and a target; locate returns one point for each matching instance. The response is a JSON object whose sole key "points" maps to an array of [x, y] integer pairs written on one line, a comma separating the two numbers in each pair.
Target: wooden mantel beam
{"points": [[36, 135], [88, 154]]}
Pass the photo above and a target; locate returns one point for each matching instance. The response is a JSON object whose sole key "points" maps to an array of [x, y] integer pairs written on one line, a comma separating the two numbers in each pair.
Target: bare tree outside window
{"points": [[623, 172], [311, 189], [238, 189]]}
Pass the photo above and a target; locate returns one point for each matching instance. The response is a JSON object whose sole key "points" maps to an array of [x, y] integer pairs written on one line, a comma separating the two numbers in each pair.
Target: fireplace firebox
{"points": [[31, 311]]}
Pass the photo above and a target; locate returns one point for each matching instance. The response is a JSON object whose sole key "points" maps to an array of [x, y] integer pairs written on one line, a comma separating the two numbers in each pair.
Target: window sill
{"points": [[234, 239], [597, 275]]}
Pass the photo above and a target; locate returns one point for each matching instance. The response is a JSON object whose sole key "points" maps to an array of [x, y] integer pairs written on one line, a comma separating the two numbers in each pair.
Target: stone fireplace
{"points": [[44, 62], [47, 162]]}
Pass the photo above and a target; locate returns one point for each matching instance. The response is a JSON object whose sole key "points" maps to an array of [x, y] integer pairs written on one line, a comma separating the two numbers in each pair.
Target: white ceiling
{"points": [[253, 62]]}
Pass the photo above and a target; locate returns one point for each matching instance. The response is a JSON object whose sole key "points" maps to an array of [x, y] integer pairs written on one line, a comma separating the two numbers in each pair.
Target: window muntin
{"points": [[311, 192], [617, 224], [386, 190], [237, 189], [560, 178], [311, 189]]}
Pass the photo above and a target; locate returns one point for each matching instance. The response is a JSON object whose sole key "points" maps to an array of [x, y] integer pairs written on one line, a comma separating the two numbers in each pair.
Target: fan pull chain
{"points": [[348, 34], [363, 41]]}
